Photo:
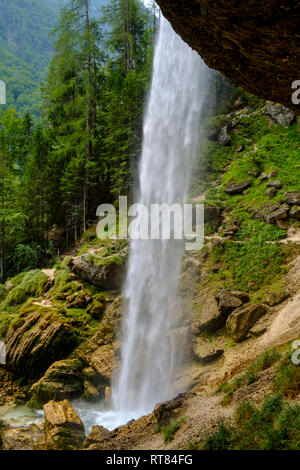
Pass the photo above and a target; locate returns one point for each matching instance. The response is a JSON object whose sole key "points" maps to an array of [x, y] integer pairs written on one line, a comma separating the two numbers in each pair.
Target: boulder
{"points": [[97, 434], [108, 274], [64, 429], [167, 411], [241, 320], [231, 227], [224, 138], [274, 184], [62, 380], [244, 41], [292, 198], [210, 357], [279, 214], [101, 361], [295, 213], [272, 174], [227, 302], [263, 177], [272, 192], [279, 113], [37, 340], [211, 319], [237, 188], [266, 209], [213, 214]]}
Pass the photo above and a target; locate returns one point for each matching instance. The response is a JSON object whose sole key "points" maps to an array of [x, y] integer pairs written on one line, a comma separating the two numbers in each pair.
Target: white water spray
{"points": [[152, 345], [153, 332]]}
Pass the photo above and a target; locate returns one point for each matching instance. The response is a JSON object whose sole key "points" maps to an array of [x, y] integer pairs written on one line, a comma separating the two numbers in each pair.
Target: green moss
{"points": [[29, 284], [104, 261], [64, 284]]}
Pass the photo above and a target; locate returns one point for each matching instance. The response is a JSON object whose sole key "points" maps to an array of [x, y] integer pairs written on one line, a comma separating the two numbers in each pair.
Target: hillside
{"points": [[26, 48], [241, 301]]}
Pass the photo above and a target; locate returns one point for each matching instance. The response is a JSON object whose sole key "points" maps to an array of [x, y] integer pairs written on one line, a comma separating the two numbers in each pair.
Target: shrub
{"points": [[287, 380], [170, 430]]}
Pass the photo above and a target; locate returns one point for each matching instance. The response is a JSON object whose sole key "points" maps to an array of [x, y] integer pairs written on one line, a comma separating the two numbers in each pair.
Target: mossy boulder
{"points": [[36, 340], [62, 380], [97, 307]]}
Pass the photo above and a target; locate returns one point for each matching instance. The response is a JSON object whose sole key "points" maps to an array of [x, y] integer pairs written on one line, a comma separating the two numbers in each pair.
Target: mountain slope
{"points": [[25, 50]]}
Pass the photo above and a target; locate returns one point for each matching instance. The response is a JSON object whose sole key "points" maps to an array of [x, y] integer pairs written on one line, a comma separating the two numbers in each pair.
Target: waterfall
{"points": [[153, 334]]}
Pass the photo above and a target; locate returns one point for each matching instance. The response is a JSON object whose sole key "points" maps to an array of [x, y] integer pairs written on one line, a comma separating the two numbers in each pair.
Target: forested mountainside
{"points": [[240, 299], [26, 50], [27, 46], [57, 171]]}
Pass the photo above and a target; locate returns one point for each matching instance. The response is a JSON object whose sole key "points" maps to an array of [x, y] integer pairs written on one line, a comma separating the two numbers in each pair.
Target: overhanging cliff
{"points": [[254, 43]]}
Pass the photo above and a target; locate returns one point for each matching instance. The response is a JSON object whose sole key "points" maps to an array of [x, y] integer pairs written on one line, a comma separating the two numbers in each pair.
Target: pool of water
{"points": [[21, 416]]}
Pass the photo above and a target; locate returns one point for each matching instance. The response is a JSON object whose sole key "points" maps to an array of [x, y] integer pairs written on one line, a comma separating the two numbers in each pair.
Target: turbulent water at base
{"points": [[153, 333]]}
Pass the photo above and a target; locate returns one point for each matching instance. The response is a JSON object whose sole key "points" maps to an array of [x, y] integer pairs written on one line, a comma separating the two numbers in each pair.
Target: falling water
{"points": [[152, 343], [153, 332]]}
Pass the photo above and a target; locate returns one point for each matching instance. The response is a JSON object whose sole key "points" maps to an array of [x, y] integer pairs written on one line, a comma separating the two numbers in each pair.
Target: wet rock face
{"points": [[253, 43], [64, 429]]}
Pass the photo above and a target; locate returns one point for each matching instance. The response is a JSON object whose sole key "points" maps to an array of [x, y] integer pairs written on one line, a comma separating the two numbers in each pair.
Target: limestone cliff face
{"points": [[254, 43]]}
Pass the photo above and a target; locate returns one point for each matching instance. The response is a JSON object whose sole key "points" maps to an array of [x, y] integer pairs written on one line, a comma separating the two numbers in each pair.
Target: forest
{"points": [[82, 147]]}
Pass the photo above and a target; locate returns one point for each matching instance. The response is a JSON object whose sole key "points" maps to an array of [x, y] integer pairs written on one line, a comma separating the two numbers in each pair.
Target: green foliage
{"points": [[287, 380], [273, 426], [249, 261]]}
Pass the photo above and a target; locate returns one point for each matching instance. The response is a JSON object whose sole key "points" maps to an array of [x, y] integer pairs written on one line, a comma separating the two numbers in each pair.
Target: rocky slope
{"points": [[255, 44], [241, 299]]}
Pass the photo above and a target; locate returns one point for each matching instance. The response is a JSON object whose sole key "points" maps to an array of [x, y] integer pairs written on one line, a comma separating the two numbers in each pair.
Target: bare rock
{"points": [[167, 411], [263, 177], [266, 209], [237, 188], [22, 438], [64, 429], [274, 184], [272, 174], [227, 302], [97, 434], [272, 192], [241, 320], [279, 113], [292, 198], [279, 214], [210, 357], [295, 213]]}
